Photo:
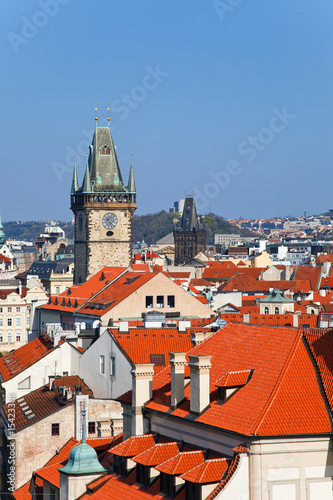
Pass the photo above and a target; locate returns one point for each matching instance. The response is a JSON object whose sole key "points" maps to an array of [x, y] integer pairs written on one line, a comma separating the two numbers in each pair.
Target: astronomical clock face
{"points": [[110, 221]]}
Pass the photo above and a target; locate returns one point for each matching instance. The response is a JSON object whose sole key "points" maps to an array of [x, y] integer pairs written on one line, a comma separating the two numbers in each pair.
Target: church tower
{"points": [[103, 208], [190, 236]]}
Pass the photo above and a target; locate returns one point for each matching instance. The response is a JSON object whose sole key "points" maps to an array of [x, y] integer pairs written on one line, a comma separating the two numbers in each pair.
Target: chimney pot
{"points": [[200, 396], [177, 364]]}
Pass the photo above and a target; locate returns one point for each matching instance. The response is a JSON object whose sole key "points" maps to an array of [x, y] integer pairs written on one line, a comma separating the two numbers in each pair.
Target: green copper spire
{"points": [[83, 458], [131, 182], [75, 182], [86, 188]]}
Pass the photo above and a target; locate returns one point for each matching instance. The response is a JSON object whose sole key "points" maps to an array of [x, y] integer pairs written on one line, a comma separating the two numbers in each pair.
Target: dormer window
{"points": [[230, 382], [105, 150]]}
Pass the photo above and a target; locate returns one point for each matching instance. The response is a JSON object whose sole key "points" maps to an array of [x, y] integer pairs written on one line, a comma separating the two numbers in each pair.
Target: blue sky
{"points": [[230, 99]]}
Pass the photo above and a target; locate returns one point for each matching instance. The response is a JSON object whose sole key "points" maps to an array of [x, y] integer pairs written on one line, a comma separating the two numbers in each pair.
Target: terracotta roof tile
{"points": [[134, 445], [182, 462], [275, 401], [157, 454], [234, 379], [23, 492], [149, 345], [42, 402], [210, 471], [17, 361]]}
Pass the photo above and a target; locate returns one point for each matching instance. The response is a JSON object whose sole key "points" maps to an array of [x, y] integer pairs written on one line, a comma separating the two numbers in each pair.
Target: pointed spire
{"points": [[75, 182], [84, 411], [131, 182], [86, 188]]}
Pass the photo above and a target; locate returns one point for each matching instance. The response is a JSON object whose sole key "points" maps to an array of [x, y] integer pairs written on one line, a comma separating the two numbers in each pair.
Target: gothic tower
{"points": [[103, 208], [190, 236]]}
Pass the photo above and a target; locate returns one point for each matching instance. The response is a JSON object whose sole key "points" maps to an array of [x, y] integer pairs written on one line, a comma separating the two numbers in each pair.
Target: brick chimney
{"points": [[199, 369], [177, 363]]}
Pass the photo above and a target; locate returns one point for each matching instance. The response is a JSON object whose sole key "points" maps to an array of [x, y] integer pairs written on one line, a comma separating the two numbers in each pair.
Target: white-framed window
{"points": [[18, 309], [1, 321], [1, 309], [102, 363], [9, 309], [9, 337], [9, 321], [18, 337], [18, 321], [276, 310], [266, 310], [57, 290]]}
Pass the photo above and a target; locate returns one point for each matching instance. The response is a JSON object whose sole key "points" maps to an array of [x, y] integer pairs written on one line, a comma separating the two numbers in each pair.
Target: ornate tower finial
{"points": [[109, 117], [75, 182], [96, 119]]}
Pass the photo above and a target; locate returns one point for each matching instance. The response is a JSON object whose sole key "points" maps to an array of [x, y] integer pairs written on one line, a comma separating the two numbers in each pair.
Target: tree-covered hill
{"points": [[150, 227]]}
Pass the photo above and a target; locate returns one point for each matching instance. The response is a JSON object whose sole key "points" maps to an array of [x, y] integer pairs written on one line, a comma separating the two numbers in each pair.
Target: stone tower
{"points": [[103, 208], [190, 236]]}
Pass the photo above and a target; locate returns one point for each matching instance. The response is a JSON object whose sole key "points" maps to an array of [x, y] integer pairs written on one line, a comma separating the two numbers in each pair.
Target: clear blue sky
{"points": [[230, 99]]}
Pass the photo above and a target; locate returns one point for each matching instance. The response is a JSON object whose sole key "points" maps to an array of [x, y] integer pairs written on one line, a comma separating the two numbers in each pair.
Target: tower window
{"points": [[105, 150]]}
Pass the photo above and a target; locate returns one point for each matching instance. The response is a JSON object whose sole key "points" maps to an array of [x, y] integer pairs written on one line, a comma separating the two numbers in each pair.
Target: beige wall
{"points": [[160, 285]]}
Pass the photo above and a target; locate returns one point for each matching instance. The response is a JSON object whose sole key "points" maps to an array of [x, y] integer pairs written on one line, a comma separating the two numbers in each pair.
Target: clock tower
{"points": [[103, 208]]}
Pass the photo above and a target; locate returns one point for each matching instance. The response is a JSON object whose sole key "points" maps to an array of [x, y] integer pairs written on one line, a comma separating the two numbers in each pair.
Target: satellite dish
{"points": [[221, 322]]}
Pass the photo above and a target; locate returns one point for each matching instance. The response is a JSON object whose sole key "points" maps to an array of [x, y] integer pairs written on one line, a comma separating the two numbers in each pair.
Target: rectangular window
{"points": [[9, 337], [149, 301], [9, 309], [9, 321], [1, 338], [57, 290], [55, 430], [18, 309], [18, 321], [91, 427], [1, 309], [102, 364], [18, 337], [1, 321], [171, 301], [113, 366], [160, 301]]}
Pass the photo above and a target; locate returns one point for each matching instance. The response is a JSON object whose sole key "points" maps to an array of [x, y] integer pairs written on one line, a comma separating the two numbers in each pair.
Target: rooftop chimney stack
{"points": [[200, 397], [142, 391], [197, 338], [177, 363]]}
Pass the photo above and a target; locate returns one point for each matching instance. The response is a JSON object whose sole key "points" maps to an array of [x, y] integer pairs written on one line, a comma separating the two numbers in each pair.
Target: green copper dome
{"points": [[83, 460]]}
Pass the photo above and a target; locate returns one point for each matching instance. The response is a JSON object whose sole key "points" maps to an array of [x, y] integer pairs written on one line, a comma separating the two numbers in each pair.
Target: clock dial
{"points": [[80, 222], [109, 221]]}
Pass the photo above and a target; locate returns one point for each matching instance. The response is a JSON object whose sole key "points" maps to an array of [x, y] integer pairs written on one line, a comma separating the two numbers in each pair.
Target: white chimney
{"points": [[199, 369], [197, 338], [177, 363], [142, 391]]}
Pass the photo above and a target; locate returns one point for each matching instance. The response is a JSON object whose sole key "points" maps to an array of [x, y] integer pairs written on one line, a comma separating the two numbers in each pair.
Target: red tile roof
{"points": [[275, 401], [116, 489], [42, 402], [210, 471], [115, 293], [157, 454], [77, 295], [182, 462], [17, 361], [218, 274], [313, 274], [247, 283], [134, 445], [234, 379], [139, 344], [23, 492]]}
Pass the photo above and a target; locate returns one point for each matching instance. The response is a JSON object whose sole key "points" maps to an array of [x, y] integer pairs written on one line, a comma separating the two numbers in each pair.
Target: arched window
{"points": [[105, 150], [266, 310], [276, 310]]}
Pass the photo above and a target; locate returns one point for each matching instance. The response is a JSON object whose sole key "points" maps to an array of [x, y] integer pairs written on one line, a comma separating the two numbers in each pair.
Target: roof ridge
{"points": [[279, 381]]}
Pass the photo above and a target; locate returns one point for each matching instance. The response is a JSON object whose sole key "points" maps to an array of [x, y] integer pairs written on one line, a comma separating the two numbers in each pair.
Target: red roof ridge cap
{"points": [[296, 342]]}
